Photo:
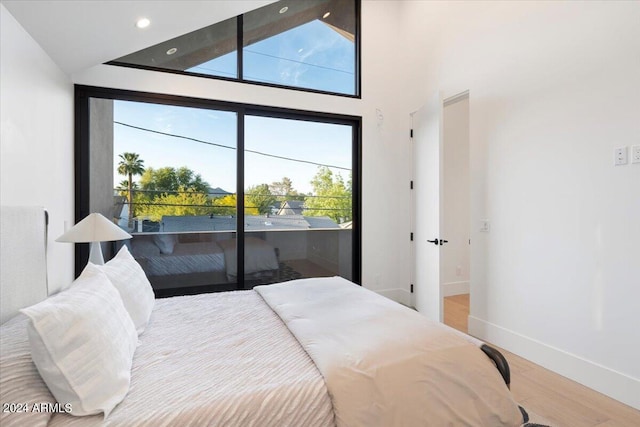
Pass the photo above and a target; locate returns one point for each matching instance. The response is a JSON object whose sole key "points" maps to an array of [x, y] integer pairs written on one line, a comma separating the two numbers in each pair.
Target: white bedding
{"points": [[386, 365], [227, 359], [220, 359]]}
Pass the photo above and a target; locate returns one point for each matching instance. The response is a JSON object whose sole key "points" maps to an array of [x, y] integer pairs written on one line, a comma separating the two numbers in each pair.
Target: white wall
{"points": [[385, 191], [555, 86], [456, 198], [37, 139]]}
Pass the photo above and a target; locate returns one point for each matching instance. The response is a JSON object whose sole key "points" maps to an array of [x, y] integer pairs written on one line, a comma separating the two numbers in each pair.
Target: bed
{"points": [[310, 352], [173, 260]]}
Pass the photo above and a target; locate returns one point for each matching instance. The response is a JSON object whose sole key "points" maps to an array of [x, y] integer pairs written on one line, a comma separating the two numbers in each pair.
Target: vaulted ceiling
{"points": [[82, 33]]}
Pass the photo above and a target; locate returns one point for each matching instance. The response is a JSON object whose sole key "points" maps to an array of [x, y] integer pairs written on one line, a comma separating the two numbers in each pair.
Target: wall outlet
{"points": [[459, 271], [635, 154], [621, 156]]}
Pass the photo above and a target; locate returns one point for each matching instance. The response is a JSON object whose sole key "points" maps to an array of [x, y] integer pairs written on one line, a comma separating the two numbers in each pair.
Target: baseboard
{"points": [[399, 295], [454, 288], [614, 384]]}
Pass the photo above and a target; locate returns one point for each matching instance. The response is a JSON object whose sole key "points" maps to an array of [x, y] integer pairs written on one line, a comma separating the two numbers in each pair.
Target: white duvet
{"points": [[386, 365]]}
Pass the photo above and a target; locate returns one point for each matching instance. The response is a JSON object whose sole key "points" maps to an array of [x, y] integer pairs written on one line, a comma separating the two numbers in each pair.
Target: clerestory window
{"points": [[310, 45]]}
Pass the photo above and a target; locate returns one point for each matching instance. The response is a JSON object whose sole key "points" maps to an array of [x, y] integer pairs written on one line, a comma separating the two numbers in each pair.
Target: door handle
{"points": [[442, 242], [434, 241]]}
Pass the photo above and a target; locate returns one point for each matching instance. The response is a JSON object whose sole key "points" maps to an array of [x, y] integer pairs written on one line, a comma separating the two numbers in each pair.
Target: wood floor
{"points": [[556, 400]]}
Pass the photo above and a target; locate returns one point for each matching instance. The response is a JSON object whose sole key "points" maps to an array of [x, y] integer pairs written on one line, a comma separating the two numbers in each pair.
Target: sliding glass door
{"points": [[298, 199], [219, 196]]}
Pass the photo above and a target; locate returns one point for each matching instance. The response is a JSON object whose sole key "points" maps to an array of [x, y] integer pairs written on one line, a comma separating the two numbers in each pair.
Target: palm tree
{"points": [[130, 164]]}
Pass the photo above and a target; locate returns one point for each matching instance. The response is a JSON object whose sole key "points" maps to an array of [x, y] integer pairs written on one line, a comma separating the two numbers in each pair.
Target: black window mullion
{"points": [[240, 47], [240, 199]]}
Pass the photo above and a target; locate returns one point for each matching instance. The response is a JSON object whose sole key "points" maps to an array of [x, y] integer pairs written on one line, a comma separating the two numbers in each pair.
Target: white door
{"points": [[427, 158]]}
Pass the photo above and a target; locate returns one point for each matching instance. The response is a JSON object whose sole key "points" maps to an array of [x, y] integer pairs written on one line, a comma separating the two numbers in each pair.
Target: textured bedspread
{"points": [[386, 365], [218, 360]]}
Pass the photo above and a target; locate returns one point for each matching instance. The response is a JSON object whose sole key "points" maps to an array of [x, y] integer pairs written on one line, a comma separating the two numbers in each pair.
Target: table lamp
{"points": [[95, 228]]}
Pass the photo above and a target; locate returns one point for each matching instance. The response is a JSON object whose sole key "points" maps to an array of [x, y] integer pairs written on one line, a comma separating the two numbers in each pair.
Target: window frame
{"points": [[241, 79], [82, 96]]}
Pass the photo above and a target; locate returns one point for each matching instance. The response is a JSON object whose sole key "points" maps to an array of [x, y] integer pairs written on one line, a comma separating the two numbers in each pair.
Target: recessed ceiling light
{"points": [[143, 23], [172, 51], [284, 9], [326, 15]]}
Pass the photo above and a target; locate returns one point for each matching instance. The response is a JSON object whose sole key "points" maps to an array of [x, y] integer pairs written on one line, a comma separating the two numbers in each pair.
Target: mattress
{"points": [[251, 371]]}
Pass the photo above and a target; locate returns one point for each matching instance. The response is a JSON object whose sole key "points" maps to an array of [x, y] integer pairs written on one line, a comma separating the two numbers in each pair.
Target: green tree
{"points": [[283, 190], [224, 205], [258, 200], [184, 202], [123, 188], [169, 179], [130, 164], [331, 196]]}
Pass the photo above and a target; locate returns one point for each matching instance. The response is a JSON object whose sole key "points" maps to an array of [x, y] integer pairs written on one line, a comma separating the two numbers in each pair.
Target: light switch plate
{"points": [[621, 156], [484, 225], [635, 154]]}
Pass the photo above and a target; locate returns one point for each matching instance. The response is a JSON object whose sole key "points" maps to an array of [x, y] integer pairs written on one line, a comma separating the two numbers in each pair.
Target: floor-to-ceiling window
{"points": [[220, 196]]}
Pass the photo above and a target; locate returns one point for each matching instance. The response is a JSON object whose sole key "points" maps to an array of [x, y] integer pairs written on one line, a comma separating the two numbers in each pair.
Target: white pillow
{"points": [[165, 242], [129, 279], [82, 342]]}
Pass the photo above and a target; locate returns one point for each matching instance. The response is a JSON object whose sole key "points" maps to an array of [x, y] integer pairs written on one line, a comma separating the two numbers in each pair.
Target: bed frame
{"points": [[23, 274]]}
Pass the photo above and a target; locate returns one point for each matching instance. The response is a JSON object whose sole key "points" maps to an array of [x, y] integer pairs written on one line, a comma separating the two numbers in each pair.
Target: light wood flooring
{"points": [[556, 400]]}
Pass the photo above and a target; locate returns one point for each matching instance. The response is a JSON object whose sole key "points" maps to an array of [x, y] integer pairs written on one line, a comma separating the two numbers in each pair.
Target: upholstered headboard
{"points": [[23, 262]]}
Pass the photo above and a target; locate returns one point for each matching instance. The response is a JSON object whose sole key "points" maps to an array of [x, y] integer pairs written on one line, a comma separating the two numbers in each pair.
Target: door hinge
{"points": [[412, 288], [411, 133], [411, 237], [411, 185]]}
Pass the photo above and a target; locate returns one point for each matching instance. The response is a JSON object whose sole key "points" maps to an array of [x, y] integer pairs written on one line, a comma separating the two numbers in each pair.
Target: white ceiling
{"points": [[78, 34]]}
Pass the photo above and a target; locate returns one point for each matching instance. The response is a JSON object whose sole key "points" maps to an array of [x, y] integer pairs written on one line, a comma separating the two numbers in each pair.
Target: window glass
{"points": [[298, 199], [168, 173], [308, 44], [173, 181]]}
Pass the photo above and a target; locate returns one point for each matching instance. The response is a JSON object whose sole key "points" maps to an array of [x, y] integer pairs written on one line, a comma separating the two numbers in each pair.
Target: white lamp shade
{"points": [[94, 228]]}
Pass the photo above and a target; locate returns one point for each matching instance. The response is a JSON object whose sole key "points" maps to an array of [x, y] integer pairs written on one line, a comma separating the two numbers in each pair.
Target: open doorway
{"points": [[456, 209]]}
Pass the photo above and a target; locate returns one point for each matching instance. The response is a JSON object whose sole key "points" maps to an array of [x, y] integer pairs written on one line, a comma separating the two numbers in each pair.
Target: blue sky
{"points": [[309, 141], [311, 56], [286, 59]]}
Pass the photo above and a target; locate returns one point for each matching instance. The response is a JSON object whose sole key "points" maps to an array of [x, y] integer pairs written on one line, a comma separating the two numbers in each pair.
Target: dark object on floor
{"points": [[500, 362], [525, 417]]}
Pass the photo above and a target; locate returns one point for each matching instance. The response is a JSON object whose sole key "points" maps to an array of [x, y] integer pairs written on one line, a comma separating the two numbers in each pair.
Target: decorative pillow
{"points": [[165, 242], [82, 342], [129, 279], [20, 383]]}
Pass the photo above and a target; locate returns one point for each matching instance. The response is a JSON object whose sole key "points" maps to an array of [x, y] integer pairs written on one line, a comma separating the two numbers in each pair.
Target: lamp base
{"points": [[95, 254]]}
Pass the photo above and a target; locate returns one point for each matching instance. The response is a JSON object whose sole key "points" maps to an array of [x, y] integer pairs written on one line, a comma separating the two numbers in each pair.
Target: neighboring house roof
{"points": [[217, 192], [321, 222], [176, 224], [291, 207]]}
